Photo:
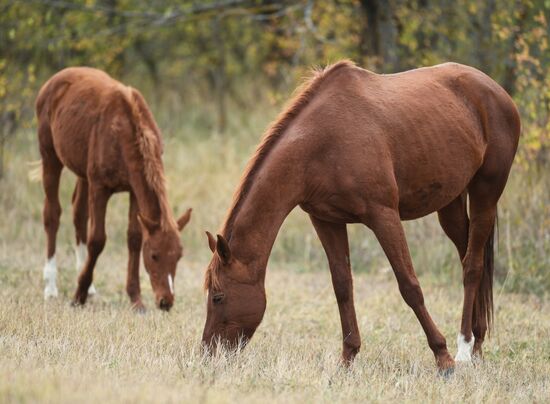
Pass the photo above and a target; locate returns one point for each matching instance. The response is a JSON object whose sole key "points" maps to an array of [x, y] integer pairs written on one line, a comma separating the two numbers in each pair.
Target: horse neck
{"points": [[268, 202]]}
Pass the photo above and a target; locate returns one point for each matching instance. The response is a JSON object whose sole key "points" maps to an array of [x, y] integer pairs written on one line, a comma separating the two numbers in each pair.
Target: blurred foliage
{"points": [[227, 65], [213, 47]]}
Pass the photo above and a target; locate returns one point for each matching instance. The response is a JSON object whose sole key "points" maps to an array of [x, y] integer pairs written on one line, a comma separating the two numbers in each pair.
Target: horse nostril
{"points": [[164, 304]]}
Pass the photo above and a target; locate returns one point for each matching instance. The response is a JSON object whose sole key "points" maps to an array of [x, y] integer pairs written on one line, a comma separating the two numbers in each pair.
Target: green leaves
{"points": [[212, 47]]}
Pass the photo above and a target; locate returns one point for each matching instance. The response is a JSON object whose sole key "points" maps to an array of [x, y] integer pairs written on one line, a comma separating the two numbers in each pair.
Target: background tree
{"points": [[218, 48]]}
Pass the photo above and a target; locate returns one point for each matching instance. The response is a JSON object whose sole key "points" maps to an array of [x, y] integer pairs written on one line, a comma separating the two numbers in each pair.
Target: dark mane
{"points": [[304, 94]]}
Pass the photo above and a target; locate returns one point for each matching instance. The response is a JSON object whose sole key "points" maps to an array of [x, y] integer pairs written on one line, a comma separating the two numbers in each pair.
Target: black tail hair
{"points": [[483, 304]]}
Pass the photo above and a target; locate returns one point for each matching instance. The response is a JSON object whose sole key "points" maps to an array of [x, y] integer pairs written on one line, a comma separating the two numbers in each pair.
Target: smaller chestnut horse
{"points": [[358, 147], [104, 132]]}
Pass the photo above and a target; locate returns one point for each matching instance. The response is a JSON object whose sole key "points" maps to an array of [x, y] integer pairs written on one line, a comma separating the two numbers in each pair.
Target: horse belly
{"points": [[434, 163], [72, 152], [72, 128], [432, 191], [334, 209]]}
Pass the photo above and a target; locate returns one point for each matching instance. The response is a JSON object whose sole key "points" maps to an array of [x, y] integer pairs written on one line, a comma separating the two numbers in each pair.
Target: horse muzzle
{"points": [[165, 303]]}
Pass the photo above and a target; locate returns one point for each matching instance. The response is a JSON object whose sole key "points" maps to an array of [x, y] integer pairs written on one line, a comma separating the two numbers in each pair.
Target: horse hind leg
{"points": [[455, 223], [97, 205], [477, 277], [80, 221], [484, 192], [51, 173]]}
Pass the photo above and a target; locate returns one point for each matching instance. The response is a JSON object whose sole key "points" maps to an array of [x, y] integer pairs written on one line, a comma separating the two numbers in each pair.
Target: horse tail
{"points": [[35, 172], [483, 304]]}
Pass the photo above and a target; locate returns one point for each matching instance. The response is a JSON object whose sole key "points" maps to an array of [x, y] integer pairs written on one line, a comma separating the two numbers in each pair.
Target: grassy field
{"points": [[104, 352]]}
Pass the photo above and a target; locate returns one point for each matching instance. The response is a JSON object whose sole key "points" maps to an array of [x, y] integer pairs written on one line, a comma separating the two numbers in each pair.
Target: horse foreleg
{"points": [[97, 202], [51, 173], [386, 224], [134, 239], [334, 238], [80, 221]]}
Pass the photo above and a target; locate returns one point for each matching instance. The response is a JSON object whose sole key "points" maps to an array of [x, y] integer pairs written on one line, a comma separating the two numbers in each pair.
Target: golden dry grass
{"points": [[50, 352]]}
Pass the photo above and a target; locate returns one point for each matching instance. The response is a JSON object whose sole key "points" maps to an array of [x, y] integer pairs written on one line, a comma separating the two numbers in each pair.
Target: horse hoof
{"points": [[445, 364], [76, 303], [92, 290], [50, 293], [79, 300], [446, 373], [139, 308]]}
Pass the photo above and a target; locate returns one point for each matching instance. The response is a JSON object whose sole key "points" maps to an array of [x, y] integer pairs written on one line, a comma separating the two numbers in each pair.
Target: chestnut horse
{"points": [[105, 133], [358, 147]]}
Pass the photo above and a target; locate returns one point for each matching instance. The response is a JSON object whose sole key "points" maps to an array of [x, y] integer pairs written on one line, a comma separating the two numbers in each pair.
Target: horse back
{"points": [[91, 121], [415, 139], [452, 119]]}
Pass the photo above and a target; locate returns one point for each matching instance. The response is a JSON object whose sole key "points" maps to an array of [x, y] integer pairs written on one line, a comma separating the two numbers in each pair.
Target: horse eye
{"points": [[155, 257], [218, 298]]}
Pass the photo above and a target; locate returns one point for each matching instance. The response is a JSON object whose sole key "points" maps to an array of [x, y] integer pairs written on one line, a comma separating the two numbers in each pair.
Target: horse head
{"points": [[162, 250], [236, 298]]}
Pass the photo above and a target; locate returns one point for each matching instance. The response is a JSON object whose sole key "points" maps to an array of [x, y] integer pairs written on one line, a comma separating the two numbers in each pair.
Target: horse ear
{"points": [[211, 241], [147, 225], [222, 247], [184, 219]]}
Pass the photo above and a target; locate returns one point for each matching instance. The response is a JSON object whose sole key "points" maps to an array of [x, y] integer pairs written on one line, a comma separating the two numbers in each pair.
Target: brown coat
{"points": [[359, 147], [104, 132]]}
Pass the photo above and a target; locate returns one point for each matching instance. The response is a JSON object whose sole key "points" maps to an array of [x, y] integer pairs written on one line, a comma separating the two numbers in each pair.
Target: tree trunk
{"points": [[2, 145], [8, 125], [510, 72], [379, 34], [484, 36], [369, 43], [147, 56], [220, 76]]}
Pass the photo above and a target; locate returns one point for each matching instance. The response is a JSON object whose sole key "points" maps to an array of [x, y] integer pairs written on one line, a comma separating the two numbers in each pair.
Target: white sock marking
{"points": [[464, 353], [92, 290], [171, 283], [81, 253], [50, 276]]}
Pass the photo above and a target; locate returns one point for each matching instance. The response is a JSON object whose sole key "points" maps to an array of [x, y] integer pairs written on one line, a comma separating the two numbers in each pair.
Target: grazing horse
{"points": [[359, 147], [104, 132]]}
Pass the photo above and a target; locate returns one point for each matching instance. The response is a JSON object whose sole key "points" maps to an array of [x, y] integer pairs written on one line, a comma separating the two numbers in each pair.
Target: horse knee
{"points": [[412, 293], [134, 239], [52, 213], [472, 274], [96, 244], [343, 287]]}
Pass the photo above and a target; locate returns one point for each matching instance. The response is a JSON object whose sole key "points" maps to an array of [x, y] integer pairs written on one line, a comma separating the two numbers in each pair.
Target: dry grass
{"points": [[51, 352], [103, 353]]}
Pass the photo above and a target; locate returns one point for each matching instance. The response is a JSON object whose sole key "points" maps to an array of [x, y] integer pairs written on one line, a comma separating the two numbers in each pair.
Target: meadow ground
{"points": [[104, 352]]}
